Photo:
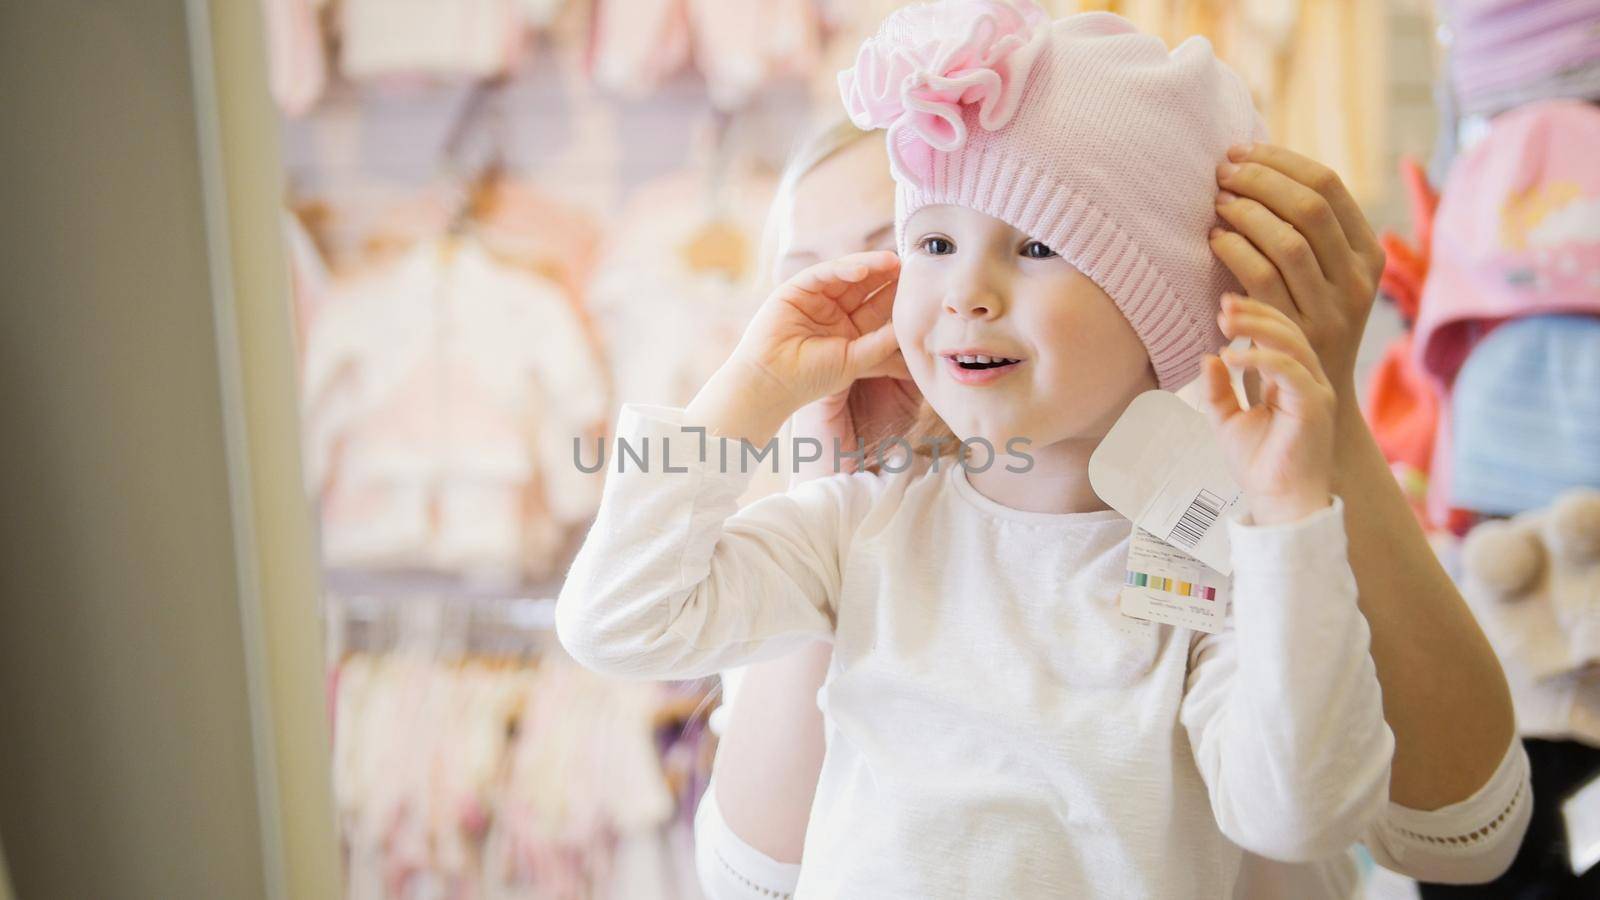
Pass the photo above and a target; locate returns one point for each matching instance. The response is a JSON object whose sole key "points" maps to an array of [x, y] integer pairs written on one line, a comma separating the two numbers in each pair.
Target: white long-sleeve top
{"points": [[994, 725], [1469, 842]]}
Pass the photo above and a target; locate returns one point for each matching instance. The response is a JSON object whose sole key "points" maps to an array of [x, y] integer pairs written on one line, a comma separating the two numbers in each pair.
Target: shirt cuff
{"points": [[1319, 536], [652, 439]]}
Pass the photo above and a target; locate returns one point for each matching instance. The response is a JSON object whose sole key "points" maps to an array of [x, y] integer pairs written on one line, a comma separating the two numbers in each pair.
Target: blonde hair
{"points": [[822, 144]]}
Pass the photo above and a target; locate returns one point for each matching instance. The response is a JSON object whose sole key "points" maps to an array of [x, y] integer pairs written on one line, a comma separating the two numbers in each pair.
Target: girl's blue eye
{"points": [[937, 246], [1036, 250]]}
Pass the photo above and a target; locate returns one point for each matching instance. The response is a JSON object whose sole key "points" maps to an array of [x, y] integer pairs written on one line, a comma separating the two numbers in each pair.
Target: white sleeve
{"points": [[1470, 842], [1283, 707], [731, 869], [675, 580]]}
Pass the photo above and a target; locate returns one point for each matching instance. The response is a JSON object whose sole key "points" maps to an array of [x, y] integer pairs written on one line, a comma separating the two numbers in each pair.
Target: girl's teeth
{"points": [[985, 359]]}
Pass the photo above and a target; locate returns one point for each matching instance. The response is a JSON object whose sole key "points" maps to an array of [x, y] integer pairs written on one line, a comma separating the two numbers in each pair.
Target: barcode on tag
{"points": [[1197, 520]]}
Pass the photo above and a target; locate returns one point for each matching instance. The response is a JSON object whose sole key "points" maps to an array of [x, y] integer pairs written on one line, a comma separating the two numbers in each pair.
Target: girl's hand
{"points": [[872, 407], [1301, 244], [822, 329], [1280, 449]]}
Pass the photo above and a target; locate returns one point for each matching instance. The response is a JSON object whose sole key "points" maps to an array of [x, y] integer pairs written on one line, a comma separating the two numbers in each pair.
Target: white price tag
{"points": [[1162, 467]]}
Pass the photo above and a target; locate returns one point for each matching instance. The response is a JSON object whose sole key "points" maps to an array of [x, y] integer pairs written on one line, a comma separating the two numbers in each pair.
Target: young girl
{"points": [[836, 197], [995, 726]]}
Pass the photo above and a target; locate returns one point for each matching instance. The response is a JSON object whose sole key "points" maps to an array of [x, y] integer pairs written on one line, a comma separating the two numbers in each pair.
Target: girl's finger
{"points": [[1279, 242], [870, 351], [1255, 272], [1303, 208], [1296, 391], [893, 367], [1357, 230], [1221, 403], [1271, 331], [835, 278]]}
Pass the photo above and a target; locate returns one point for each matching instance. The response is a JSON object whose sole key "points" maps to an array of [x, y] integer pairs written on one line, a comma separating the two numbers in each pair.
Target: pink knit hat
{"points": [[1083, 133], [1517, 233]]}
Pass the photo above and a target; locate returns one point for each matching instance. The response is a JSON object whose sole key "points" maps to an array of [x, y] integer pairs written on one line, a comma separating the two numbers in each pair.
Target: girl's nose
{"points": [[973, 303]]}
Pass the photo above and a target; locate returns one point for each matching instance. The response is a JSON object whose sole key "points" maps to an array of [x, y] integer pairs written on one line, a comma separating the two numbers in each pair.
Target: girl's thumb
{"points": [[869, 351]]}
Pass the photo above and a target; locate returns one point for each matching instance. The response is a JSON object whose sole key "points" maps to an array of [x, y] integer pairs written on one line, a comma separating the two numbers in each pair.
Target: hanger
{"points": [[476, 181]]}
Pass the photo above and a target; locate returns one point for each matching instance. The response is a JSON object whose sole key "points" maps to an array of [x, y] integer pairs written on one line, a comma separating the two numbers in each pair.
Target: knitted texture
{"points": [[1107, 153], [1504, 53]]}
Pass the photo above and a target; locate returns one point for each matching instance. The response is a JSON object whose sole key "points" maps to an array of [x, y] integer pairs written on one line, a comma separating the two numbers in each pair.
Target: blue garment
{"points": [[1526, 413]]}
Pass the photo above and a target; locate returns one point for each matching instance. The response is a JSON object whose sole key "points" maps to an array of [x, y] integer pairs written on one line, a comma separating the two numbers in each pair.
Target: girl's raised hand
{"points": [[1280, 449], [825, 327]]}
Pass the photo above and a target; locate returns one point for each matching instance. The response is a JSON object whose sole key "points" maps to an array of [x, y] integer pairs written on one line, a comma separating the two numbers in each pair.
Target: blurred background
{"points": [[305, 302]]}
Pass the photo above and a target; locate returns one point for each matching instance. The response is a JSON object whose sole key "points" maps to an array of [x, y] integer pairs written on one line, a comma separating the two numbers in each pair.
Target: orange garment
{"points": [[1402, 407]]}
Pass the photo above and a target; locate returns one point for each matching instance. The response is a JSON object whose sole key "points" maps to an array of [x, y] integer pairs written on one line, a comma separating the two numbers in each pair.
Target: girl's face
{"points": [[845, 205], [971, 284]]}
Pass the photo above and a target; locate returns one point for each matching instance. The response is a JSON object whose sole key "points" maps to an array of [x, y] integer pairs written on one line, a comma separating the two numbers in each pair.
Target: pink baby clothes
{"points": [[295, 52], [637, 44], [438, 394], [1500, 49], [740, 45], [665, 324], [383, 38]]}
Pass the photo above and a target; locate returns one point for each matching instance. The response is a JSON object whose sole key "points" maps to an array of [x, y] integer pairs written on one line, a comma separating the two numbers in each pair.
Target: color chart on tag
{"points": [[1171, 585]]}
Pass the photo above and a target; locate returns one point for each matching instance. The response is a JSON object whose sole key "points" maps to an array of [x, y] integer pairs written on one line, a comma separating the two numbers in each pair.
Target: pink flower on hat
{"points": [[927, 61]]}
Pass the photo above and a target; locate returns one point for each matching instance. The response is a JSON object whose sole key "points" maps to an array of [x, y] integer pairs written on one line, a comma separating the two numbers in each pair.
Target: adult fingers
{"points": [[1325, 181], [1303, 208], [1282, 244]]}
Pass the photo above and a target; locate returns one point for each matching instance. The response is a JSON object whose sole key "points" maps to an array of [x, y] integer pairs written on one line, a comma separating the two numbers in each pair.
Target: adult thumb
{"points": [[871, 350]]}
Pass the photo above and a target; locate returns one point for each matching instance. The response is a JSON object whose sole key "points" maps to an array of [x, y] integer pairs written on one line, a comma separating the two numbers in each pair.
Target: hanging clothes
{"points": [[740, 46], [677, 288], [636, 45], [442, 398], [296, 55], [399, 38]]}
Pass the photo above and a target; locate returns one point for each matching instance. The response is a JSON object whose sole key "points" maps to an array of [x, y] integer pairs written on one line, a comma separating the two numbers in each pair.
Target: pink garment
{"points": [[1517, 233], [1083, 133], [637, 44], [1501, 46], [441, 399], [663, 350], [295, 53], [741, 45], [386, 38]]}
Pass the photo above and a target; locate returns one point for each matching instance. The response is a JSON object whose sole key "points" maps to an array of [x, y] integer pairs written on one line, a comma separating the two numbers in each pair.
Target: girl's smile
{"points": [[979, 368]]}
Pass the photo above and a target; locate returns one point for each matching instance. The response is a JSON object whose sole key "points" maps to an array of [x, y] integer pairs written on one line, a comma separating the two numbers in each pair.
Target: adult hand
{"points": [[1301, 244]]}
